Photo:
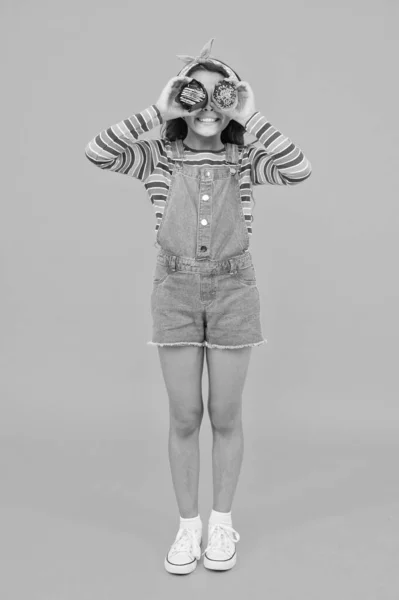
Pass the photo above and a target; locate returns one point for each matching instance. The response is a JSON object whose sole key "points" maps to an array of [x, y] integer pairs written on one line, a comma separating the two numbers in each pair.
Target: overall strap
{"points": [[177, 149], [232, 153]]}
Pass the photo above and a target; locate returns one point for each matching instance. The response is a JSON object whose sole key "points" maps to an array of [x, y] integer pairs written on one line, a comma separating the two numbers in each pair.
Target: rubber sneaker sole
{"points": [[220, 565]]}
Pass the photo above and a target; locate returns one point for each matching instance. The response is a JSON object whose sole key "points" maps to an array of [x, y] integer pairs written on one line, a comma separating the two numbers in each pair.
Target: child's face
{"points": [[209, 79]]}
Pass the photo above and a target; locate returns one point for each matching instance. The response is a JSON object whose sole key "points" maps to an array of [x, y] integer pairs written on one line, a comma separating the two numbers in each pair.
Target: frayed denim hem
{"points": [[176, 344], [208, 345]]}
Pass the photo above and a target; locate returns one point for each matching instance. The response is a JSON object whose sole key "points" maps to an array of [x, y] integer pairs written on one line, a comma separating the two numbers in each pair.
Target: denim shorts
{"points": [[205, 303]]}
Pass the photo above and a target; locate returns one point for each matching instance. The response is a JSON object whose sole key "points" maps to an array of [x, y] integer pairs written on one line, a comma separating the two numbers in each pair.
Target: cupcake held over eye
{"points": [[193, 96], [225, 95]]}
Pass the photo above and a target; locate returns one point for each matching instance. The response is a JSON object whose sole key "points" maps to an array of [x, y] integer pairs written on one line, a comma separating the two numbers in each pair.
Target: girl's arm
{"points": [[116, 148], [280, 161]]}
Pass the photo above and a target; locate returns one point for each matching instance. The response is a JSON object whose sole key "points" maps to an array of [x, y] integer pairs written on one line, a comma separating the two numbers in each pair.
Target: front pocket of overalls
{"points": [[161, 273], [246, 275]]}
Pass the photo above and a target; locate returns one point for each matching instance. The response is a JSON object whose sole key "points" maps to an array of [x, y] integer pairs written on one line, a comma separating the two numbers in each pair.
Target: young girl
{"points": [[199, 177]]}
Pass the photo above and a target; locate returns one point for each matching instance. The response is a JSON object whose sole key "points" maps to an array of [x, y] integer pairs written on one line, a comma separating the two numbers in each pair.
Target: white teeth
{"points": [[208, 120]]}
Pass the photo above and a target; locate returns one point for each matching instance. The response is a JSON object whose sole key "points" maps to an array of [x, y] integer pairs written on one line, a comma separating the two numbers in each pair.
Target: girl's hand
{"points": [[168, 105], [245, 106]]}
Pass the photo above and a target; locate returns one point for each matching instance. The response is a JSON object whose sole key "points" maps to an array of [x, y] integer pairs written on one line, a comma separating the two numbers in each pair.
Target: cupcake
{"points": [[193, 96], [225, 94]]}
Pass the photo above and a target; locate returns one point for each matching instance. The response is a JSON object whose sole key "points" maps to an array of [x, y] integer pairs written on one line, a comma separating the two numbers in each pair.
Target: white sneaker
{"points": [[221, 554], [185, 551]]}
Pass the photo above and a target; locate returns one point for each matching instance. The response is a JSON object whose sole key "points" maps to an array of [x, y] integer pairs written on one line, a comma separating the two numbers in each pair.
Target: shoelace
{"points": [[186, 541], [220, 537]]}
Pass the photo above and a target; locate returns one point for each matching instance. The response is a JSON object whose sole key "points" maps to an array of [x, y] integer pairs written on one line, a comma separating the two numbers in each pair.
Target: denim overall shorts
{"points": [[204, 284]]}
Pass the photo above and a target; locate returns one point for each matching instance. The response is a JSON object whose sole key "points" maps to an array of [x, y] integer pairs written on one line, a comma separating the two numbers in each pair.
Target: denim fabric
{"points": [[204, 284]]}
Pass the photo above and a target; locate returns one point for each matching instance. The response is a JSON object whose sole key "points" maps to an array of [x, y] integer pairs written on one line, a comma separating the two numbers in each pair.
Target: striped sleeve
{"points": [[280, 161], [116, 148]]}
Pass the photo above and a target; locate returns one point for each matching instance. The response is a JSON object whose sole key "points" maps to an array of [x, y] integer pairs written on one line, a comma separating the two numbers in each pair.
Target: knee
{"points": [[185, 423], [224, 420]]}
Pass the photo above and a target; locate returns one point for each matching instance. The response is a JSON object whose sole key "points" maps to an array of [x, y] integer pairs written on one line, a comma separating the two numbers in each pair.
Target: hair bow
{"points": [[204, 55]]}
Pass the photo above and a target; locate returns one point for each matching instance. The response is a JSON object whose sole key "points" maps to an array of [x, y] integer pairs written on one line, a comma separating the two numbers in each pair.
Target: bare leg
{"points": [[182, 368], [227, 373]]}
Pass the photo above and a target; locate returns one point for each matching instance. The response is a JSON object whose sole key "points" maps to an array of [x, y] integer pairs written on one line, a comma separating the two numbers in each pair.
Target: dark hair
{"points": [[175, 129]]}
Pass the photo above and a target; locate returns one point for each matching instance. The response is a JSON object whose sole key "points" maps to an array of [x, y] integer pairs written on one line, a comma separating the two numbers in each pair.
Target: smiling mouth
{"points": [[208, 122]]}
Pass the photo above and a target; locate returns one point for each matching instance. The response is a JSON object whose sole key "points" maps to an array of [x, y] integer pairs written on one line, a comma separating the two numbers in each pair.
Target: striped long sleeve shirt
{"points": [[278, 161]]}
